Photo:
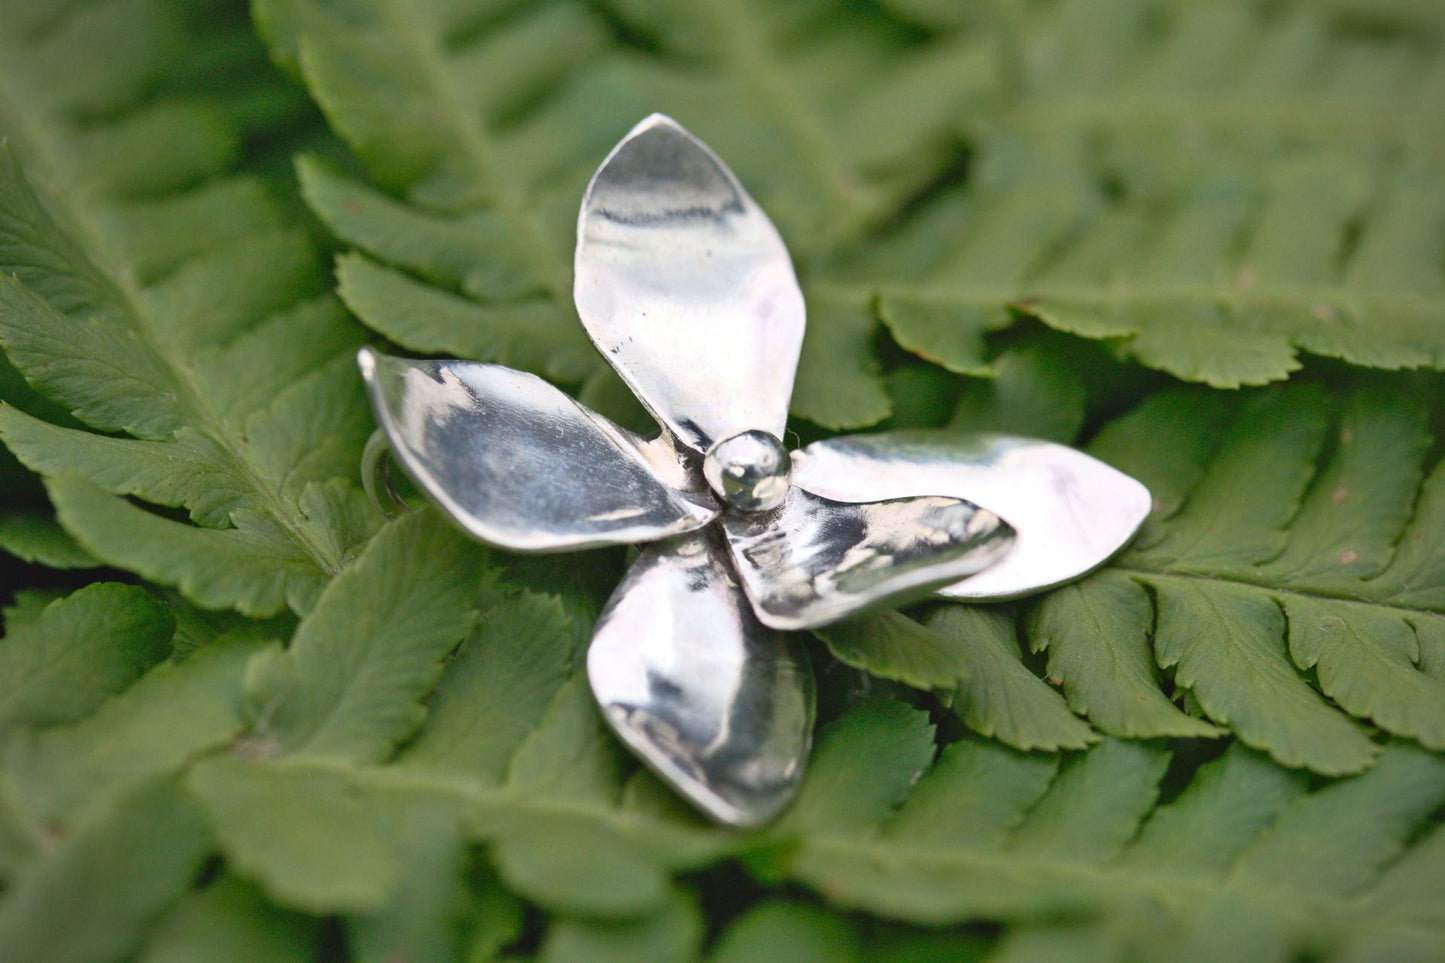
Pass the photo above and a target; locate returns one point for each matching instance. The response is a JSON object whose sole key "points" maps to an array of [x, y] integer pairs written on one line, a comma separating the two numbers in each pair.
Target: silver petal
{"points": [[519, 464], [685, 286], [1071, 511], [716, 703], [814, 560]]}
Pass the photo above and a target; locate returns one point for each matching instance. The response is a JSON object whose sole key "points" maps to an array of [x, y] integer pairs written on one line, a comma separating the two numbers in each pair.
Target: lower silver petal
{"points": [[716, 703]]}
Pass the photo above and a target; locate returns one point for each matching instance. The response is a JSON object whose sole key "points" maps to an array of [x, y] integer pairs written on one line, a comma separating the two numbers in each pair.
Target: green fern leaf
{"points": [[782, 932], [973, 653], [164, 301], [301, 833], [27, 530], [440, 903], [175, 712], [495, 690], [34, 537], [544, 793], [410, 596], [1093, 633], [1279, 582], [671, 934], [60, 665], [96, 893], [229, 922], [1031, 391], [26, 607], [578, 867]]}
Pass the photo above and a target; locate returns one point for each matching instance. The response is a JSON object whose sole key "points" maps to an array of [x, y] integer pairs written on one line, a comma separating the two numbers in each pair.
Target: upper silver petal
{"points": [[519, 464], [685, 286], [716, 703], [814, 560], [1071, 511]]}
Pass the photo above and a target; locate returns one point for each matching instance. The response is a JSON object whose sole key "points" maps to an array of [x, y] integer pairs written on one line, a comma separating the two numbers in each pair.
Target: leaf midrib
{"points": [[123, 281], [1267, 587], [1116, 294], [1343, 121], [1179, 889]]}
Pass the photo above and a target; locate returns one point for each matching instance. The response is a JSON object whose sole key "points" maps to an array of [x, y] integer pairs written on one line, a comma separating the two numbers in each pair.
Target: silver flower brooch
{"points": [[697, 663]]}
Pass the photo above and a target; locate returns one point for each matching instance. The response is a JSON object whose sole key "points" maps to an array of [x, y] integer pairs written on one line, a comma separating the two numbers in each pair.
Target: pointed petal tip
{"points": [[731, 810], [724, 813], [657, 149], [653, 121], [379, 369], [1140, 500], [366, 361]]}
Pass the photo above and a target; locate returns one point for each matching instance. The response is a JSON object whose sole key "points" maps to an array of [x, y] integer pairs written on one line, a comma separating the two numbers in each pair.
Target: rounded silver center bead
{"points": [[749, 470]]}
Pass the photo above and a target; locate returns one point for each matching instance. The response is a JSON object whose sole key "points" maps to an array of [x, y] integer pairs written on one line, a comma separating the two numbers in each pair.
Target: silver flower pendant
{"points": [[685, 287]]}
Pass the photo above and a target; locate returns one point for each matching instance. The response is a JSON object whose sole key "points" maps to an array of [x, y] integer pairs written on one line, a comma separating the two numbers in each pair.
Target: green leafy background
{"points": [[241, 718]]}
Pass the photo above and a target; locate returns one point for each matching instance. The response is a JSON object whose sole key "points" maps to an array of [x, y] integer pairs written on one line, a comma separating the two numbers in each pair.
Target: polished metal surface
{"points": [[1071, 511], [519, 464], [685, 287], [814, 560], [716, 703], [749, 471]]}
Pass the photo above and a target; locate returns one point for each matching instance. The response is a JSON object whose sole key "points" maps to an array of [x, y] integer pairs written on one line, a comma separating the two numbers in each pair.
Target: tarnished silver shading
{"points": [[685, 286], [715, 702], [1071, 511], [813, 560], [687, 290], [519, 464]]}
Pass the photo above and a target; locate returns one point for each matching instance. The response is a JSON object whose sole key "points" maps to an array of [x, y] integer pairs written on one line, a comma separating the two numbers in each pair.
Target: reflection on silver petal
{"points": [[719, 705], [813, 560], [686, 288], [1071, 511], [519, 464]]}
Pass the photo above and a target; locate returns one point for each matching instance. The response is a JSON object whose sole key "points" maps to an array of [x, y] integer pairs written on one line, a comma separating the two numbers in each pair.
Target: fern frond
{"points": [[1212, 188], [983, 832], [159, 298], [1243, 834], [1290, 572]]}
